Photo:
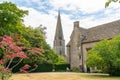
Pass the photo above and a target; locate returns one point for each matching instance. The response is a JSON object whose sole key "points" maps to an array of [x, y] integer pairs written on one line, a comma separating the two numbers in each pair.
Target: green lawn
{"points": [[62, 76]]}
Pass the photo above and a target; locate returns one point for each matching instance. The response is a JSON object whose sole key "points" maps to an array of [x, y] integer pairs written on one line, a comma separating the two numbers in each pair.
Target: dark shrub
{"points": [[41, 67], [61, 67], [114, 71]]}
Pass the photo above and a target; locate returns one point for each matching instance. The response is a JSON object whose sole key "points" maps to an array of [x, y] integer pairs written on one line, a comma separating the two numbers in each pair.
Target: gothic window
{"points": [[60, 37], [60, 43]]}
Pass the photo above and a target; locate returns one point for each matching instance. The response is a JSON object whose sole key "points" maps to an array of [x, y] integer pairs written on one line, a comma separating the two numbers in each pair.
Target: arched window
{"points": [[60, 43], [60, 37]]}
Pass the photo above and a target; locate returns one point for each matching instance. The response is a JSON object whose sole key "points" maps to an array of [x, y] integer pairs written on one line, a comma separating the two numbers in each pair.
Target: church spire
{"points": [[59, 42], [59, 31]]}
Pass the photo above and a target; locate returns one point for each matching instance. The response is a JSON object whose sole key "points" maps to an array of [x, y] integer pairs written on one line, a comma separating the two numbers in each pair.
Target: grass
{"points": [[62, 76]]}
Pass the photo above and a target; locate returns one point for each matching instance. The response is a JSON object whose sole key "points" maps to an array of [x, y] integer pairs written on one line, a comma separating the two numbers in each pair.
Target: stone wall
{"points": [[86, 46]]}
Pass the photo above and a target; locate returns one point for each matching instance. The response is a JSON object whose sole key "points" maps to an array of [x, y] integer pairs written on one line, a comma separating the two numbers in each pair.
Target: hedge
{"points": [[61, 67], [46, 67], [41, 67], [114, 71]]}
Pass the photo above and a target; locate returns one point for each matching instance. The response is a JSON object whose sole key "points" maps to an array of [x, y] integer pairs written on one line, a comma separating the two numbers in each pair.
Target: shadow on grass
{"points": [[97, 75]]}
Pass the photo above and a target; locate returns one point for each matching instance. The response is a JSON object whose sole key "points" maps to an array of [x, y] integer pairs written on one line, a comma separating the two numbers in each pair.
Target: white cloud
{"points": [[67, 25], [35, 18], [87, 6]]}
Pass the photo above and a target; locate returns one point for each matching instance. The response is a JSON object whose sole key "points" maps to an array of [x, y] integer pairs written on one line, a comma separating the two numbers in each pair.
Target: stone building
{"points": [[82, 40], [59, 42]]}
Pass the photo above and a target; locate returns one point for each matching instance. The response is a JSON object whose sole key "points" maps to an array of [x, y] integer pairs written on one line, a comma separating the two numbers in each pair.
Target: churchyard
{"points": [[63, 76], [26, 55]]}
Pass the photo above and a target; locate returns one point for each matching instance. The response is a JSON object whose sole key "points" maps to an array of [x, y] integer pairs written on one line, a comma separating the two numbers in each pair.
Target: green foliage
{"points": [[97, 71], [75, 70], [35, 58], [10, 18], [11, 23], [45, 67], [61, 67], [16, 69], [109, 1], [7, 74], [106, 54], [34, 36], [97, 60], [21, 40], [60, 60], [114, 71], [42, 30], [51, 56]]}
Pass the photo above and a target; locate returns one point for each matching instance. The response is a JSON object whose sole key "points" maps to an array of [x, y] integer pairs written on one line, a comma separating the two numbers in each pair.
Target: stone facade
{"points": [[73, 48], [59, 42], [82, 40]]}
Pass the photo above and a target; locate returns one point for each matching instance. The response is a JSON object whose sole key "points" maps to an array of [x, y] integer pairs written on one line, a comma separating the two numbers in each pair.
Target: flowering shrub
{"points": [[36, 50], [10, 51], [24, 68]]}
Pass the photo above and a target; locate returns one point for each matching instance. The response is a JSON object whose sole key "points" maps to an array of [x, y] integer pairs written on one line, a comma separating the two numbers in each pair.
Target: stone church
{"points": [[82, 40]]}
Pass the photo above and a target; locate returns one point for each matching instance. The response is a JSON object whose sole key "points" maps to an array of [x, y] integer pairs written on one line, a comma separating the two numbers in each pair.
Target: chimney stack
{"points": [[76, 24]]}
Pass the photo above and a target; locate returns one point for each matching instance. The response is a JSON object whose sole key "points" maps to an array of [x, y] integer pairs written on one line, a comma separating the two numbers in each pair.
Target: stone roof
{"points": [[108, 31], [83, 31]]}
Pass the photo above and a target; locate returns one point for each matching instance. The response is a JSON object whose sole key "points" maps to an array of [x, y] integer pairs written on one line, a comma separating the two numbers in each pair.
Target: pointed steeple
{"points": [[59, 42], [59, 31]]}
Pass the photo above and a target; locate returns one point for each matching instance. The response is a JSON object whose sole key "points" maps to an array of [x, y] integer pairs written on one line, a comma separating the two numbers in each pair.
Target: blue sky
{"points": [[89, 13]]}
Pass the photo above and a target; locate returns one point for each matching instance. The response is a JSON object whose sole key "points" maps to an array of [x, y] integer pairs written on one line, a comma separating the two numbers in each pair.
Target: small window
{"points": [[60, 52], [60, 43], [88, 49], [60, 37]]}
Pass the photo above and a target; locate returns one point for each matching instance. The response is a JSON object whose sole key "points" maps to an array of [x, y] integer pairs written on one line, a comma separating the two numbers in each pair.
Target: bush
{"points": [[16, 69], [44, 68], [114, 71], [97, 71], [106, 53], [61, 67], [41, 67], [75, 70]]}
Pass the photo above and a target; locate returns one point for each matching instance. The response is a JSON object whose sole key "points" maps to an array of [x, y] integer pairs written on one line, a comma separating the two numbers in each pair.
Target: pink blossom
{"points": [[15, 48], [5, 70], [36, 50], [25, 68], [9, 39], [1, 61], [21, 55], [35, 65]]}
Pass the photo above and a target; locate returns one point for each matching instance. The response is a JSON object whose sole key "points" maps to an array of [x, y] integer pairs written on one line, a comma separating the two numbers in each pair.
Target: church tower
{"points": [[59, 42]]}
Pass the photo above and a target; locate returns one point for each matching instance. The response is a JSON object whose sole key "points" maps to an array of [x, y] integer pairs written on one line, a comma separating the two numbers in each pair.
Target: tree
{"points": [[36, 39], [42, 30], [10, 51], [106, 54], [11, 18], [11, 23], [109, 1], [34, 36]]}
